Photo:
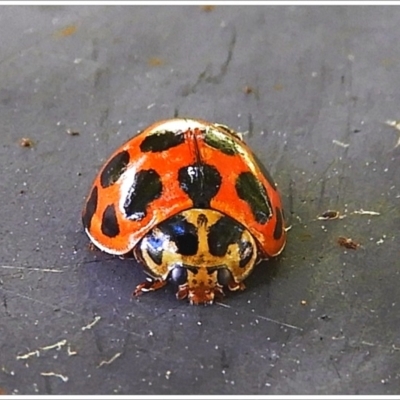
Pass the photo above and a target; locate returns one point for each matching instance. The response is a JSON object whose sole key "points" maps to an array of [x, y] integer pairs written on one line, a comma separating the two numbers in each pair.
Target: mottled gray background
{"points": [[321, 83]]}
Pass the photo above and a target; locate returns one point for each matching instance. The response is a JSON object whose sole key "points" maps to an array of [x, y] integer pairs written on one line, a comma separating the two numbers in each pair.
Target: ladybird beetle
{"points": [[192, 202]]}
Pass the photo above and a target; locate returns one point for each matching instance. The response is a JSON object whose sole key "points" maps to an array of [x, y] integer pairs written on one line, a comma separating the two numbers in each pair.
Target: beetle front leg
{"points": [[234, 286], [149, 286]]}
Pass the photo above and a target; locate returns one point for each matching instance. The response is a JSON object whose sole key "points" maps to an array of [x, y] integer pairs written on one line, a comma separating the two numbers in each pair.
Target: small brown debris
{"points": [[66, 31], [248, 89], [72, 133], [278, 87], [207, 7], [2, 391], [91, 247], [329, 214], [26, 142], [303, 302], [348, 243], [155, 61]]}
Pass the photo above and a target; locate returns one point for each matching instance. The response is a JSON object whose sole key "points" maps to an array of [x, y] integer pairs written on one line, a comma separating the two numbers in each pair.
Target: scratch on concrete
{"points": [[57, 345], [382, 346], [365, 212], [111, 360], [341, 144], [205, 75], [265, 318], [71, 352], [28, 355], [36, 353], [91, 324], [23, 296], [31, 268], [224, 67], [251, 125], [62, 377]]}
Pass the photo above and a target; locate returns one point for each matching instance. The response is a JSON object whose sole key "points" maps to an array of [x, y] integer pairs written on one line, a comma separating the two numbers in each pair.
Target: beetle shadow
{"points": [[264, 273], [116, 278]]}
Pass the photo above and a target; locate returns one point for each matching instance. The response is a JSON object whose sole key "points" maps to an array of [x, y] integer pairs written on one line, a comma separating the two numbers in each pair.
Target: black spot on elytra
{"points": [[222, 234], [182, 233], [265, 172], [90, 208], [278, 230], [200, 182], [250, 189], [146, 188], [162, 141], [223, 143], [114, 169], [109, 222]]}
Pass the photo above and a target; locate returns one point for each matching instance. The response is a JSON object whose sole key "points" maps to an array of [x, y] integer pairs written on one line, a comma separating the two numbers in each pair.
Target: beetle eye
{"points": [[179, 275], [224, 276]]}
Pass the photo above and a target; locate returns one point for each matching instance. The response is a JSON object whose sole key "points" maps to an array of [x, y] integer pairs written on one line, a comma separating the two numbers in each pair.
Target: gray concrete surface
{"points": [[319, 320]]}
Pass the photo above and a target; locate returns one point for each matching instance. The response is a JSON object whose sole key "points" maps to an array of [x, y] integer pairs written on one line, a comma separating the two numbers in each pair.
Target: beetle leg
{"points": [[92, 247], [183, 292], [149, 286], [233, 286]]}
